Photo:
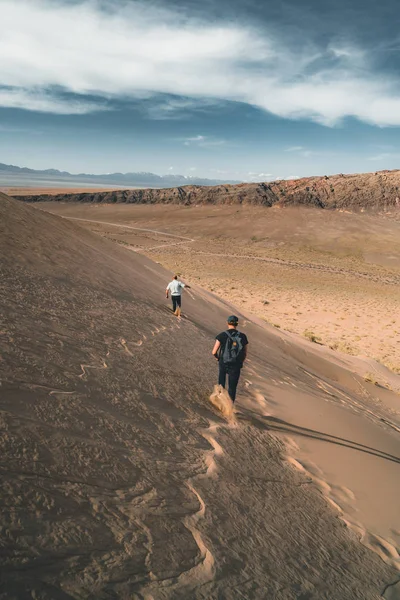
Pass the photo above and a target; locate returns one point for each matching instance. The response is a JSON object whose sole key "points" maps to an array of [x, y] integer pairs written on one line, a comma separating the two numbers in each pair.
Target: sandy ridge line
{"points": [[378, 544], [203, 571], [351, 402]]}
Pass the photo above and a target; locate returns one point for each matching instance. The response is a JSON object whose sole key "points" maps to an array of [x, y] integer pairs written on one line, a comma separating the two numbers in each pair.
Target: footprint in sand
{"points": [[208, 434], [125, 347], [259, 398], [205, 569], [384, 548], [84, 367], [260, 401]]}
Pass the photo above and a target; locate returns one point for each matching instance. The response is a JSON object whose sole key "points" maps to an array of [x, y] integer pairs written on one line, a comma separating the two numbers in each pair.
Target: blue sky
{"points": [[250, 90]]}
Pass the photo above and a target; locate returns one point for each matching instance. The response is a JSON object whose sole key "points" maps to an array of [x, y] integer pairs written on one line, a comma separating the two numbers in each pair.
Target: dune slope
{"points": [[119, 479]]}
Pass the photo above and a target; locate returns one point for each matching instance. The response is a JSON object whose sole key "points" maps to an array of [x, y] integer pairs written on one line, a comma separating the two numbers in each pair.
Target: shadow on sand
{"points": [[274, 424]]}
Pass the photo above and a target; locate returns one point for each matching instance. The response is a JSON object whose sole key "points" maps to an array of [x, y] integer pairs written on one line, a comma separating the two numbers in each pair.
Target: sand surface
{"points": [[331, 276], [120, 478]]}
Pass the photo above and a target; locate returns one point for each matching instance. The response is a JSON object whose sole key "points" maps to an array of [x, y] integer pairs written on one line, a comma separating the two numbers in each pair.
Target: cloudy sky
{"points": [[244, 89]]}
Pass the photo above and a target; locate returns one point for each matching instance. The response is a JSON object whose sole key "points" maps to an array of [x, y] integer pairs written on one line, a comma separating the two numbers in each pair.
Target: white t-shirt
{"points": [[175, 287]]}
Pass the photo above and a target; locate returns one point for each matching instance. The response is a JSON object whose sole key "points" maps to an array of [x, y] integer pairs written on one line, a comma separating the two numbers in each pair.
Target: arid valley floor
{"points": [[327, 275], [122, 481]]}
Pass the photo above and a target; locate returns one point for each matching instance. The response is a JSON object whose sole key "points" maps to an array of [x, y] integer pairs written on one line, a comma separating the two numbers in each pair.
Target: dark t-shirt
{"points": [[223, 338]]}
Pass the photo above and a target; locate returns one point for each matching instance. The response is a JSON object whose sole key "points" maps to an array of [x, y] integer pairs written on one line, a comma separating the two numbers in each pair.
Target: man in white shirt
{"points": [[176, 288]]}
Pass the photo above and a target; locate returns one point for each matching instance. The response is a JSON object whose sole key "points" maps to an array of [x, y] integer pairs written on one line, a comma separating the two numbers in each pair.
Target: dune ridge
{"points": [[121, 480]]}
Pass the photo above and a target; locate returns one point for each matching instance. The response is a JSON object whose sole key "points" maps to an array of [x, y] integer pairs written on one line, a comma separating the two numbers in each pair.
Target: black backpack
{"points": [[233, 348]]}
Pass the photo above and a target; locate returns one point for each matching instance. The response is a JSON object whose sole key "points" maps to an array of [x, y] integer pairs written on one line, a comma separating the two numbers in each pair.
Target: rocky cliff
{"points": [[379, 191]]}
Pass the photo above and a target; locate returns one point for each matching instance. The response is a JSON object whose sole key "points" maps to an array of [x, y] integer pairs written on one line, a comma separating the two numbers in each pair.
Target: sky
{"points": [[253, 90]]}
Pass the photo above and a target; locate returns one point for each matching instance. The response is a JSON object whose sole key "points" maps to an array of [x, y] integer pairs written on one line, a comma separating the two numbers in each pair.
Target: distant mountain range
{"points": [[13, 175]]}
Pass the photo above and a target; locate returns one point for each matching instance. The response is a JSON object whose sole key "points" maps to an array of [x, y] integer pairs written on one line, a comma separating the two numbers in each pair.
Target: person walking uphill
{"points": [[176, 289], [230, 349]]}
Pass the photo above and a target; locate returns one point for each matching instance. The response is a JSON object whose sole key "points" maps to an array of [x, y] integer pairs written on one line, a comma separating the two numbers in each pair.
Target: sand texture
{"points": [[120, 479], [332, 277]]}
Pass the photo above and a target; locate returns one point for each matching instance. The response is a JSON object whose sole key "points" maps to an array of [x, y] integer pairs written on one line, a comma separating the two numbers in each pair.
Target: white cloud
{"points": [[202, 140], [136, 50], [194, 140], [294, 149], [176, 107], [42, 101]]}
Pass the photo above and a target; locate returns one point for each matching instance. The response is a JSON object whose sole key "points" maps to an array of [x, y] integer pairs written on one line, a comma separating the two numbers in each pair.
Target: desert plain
{"points": [[331, 276]]}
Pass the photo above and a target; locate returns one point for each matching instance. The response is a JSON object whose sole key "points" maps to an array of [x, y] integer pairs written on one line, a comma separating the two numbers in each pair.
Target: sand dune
{"points": [[122, 480], [331, 276]]}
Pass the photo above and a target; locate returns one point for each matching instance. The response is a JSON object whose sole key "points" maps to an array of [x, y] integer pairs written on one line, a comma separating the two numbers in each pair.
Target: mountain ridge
{"points": [[378, 191], [140, 178]]}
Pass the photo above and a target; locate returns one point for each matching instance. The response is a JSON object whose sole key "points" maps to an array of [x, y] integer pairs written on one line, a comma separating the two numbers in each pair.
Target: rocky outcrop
{"points": [[378, 191]]}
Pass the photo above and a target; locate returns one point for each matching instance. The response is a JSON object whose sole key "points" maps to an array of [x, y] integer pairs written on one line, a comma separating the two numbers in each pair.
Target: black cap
{"points": [[233, 320]]}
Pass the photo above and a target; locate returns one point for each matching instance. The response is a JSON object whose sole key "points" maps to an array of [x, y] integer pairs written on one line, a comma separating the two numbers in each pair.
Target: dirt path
{"points": [[388, 280], [182, 237]]}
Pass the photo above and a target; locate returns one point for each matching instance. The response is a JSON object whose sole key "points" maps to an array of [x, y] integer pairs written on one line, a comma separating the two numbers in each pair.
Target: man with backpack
{"points": [[176, 289], [230, 349]]}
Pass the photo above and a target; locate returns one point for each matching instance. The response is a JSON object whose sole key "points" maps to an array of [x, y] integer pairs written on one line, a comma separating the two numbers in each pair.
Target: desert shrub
{"points": [[344, 347], [370, 378], [310, 335]]}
